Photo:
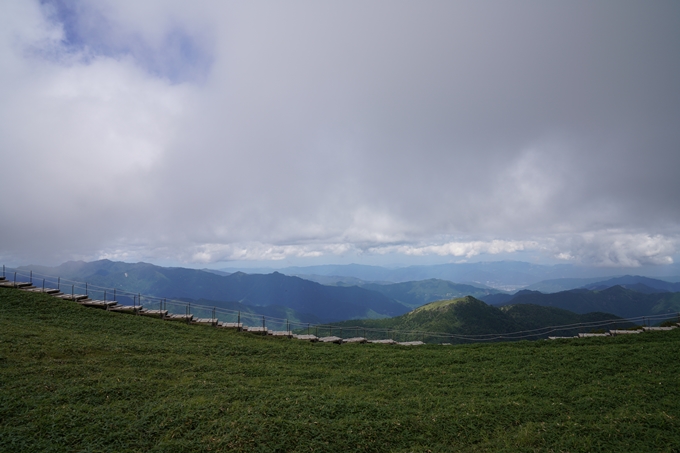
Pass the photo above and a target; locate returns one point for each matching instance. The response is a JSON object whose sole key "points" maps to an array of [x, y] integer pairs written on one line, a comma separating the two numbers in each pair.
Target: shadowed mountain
{"points": [[328, 303]]}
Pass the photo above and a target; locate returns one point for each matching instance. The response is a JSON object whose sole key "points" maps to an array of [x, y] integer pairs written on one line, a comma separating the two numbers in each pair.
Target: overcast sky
{"points": [[212, 133]]}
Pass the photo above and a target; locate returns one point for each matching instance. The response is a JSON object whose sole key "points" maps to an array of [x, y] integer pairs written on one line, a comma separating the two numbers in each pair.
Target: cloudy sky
{"points": [[213, 133]]}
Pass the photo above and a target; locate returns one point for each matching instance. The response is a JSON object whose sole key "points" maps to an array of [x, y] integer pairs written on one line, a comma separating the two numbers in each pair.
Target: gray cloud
{"points": [[306, 130]]}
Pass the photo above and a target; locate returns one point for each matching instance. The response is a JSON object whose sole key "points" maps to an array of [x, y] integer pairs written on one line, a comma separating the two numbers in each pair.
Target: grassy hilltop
{"points": [[470, 316], [78, 379]]}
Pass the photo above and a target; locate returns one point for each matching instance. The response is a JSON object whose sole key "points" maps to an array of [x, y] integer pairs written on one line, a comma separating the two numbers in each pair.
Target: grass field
{"points": [[75, 379]]}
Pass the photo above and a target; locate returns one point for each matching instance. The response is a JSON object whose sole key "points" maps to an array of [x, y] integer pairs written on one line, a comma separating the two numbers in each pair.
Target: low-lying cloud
{"points": [[257, 131]]}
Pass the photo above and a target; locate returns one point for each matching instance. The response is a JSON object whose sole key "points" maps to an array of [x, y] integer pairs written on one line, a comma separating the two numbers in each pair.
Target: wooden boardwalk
{"points": [[111, 305]]}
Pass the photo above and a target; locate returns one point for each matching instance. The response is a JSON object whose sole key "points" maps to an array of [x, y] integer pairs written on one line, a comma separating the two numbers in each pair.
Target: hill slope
{"points": [[470, 316], [78, 379]]}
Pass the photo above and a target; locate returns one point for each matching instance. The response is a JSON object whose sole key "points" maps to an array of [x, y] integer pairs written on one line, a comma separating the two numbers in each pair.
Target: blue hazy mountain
{"points": [[635, 282], [327, 303], [506, 275], [617, 300]]}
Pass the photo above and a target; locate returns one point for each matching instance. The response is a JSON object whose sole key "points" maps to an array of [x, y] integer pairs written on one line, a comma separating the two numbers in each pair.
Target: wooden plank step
{"points": [[307, 337], [97, 303], [12, 284], [41, 290], [174, 317], [253, 329], [280, 333], [154, 313], [332, 339], [74, 297], [355, 340], [126, 308], [205, 321], [382, 341]]}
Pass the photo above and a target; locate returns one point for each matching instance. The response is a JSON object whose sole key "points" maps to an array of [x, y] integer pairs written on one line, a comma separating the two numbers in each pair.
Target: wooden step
{"points": [[205, 321], [97, 303], [383, 341], [12, 284], [174, 317], [41, 290], [311, 338], [154, 313], [126, 308], [355, 340], [230, 325], [253, 329], [74, 297], [280, 333], [658, 329]]}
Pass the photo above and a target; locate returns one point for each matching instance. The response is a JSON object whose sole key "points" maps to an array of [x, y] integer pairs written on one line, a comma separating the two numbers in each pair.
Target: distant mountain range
{"points": [[470, 316], [672, 284], [279, 295], [617, 300], [504, 275], [327, 303]]}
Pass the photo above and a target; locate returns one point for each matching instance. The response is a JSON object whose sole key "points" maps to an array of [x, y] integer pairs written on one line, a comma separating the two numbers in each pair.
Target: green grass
{"points": [[75, 379]]}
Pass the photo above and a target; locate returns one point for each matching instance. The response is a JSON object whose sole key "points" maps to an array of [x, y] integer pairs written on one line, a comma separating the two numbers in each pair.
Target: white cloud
{"points": [[466, 249], [612, 248], [259, 131]]}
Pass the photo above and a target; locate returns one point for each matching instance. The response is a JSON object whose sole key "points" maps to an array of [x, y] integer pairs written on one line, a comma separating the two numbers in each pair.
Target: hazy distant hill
{"points": [[470, 316], [415, 294], [561, 284], [505, 275], [627, 281], [617, 300], [637, 283], [329, 303]]}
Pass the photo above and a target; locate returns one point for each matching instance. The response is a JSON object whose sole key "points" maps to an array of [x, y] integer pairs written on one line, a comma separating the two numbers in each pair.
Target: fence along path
{"points": [[175, 310]]}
